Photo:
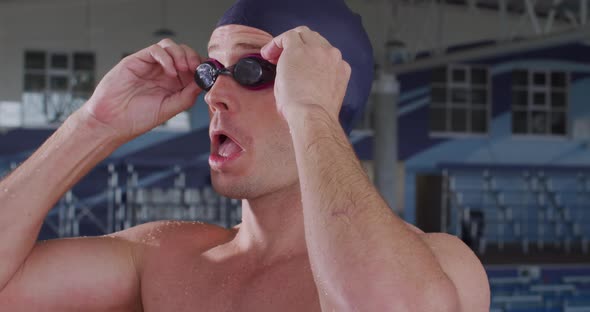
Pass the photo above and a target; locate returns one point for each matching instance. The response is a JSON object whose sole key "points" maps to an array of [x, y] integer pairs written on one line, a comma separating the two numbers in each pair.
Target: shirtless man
{"points": [[315, 234]]}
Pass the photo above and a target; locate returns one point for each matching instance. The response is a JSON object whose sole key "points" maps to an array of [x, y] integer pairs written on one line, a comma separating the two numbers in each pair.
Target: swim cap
{"points": [[333, 20]]}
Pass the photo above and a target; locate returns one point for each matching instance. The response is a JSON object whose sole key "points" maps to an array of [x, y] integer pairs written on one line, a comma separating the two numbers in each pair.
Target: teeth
{"points": [[224, 153]]}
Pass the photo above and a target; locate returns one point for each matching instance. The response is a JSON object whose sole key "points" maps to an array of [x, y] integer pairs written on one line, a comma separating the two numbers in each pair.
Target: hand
{"points": [[310, 72], [145, 89]]}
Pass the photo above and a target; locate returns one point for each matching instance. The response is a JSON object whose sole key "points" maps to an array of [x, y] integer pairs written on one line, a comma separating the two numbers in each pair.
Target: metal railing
{"points": [[130, 198]]}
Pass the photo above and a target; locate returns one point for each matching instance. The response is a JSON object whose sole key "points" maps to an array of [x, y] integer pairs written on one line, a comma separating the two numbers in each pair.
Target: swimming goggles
{"points": [[251, 71]]}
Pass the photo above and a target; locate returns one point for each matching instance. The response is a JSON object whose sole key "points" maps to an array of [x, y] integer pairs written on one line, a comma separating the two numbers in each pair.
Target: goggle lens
{"points": [[248, 72], [206, 75]]}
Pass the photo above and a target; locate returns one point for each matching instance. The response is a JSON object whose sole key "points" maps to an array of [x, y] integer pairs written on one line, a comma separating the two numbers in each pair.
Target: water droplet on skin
{"points": [[5, 190]]}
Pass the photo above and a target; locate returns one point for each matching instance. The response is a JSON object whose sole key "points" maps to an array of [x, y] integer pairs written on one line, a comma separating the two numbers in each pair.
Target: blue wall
{"points": [[422, 153]]}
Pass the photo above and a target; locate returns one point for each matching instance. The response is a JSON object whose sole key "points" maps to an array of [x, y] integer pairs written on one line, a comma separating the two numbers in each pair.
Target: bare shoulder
{"points": [[161, 230], [169, 236], [464, 269]]}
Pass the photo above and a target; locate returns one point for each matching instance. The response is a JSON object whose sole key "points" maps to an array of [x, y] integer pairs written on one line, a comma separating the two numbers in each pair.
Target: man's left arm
{"points": [[363, 256]]}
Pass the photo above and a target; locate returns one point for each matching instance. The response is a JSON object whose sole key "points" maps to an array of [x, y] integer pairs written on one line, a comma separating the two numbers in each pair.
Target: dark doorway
{"points": [[428, 202]]}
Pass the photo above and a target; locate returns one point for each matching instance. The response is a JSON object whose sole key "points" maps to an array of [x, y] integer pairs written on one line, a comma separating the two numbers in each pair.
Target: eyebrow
{"points": [[243, 45]]}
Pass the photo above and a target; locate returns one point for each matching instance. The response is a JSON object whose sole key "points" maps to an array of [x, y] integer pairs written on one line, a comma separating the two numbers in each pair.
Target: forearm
{"points": [[27, 195], [362, 255]]}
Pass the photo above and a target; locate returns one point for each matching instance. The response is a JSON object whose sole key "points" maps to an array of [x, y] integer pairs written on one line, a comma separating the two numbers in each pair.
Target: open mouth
{"points": [[225, 146]]}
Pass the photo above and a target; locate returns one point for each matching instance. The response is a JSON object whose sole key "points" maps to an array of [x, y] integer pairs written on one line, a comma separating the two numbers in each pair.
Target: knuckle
{"points": [[169, 48], [289, 38], [302, 28], [166, 42], [154, 47], [127, 60], [175, 50], [347, 68], [336, 53], [155, 50]]}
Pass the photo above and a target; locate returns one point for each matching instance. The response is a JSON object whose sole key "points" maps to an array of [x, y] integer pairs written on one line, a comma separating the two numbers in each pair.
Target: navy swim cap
{"points": [[333, 20]]}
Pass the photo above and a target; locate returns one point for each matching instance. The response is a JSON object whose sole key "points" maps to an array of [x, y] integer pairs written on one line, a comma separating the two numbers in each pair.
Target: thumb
{"points": [[179, 102], [273, 50]]}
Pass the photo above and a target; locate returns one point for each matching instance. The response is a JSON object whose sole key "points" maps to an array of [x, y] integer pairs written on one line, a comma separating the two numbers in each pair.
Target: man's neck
{"points": [[272, 226]]}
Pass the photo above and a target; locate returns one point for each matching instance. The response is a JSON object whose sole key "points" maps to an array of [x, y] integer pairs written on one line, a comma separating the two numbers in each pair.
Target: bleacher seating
{"points": [[128, 195], [529, 206], [539, 289]]}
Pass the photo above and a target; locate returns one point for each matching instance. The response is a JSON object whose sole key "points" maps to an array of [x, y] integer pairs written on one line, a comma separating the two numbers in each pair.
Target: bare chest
{"points": [[177, 284]]}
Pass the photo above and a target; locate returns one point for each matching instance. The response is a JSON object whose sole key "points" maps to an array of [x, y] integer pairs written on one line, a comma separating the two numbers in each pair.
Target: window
{"points": [[539, 103], [56, 84], [459, 100]]}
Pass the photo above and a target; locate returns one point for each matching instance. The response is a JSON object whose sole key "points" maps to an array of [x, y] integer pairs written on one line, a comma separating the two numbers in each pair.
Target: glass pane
{"points": [[539, 79], [59, 61], [459, 75], [35, 60], [479, 76], [438, 119], [83, 82], [519, 122], [439, 75], [439, 95], [34, 83], [83, 61], [558, 99], [558, 123], [58, 83], [539, 123], [479, 121], [459, 96], [520, 98], [558, 79], [479, 97], [520, 78], [539, 99], [458, 120]]}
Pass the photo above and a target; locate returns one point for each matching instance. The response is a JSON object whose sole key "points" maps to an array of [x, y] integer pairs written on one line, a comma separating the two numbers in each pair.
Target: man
{"points": [[315, 236]]}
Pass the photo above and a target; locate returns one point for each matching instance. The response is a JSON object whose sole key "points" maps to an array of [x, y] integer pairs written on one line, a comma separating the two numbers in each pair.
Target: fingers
{"points": [[192, 58], [272, 50], [173, 58], [177, 52], [313, 38], [179, 102], [347, 71], [186, 78], [156, 54], [299, 36]]}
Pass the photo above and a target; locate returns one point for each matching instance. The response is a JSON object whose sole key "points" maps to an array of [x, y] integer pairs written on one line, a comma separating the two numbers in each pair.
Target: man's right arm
{"points": [[87, 274], [69, 274]]}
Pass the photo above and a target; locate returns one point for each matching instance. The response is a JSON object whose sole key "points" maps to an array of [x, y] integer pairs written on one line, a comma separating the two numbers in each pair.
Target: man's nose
{"points": [[222, 96]]}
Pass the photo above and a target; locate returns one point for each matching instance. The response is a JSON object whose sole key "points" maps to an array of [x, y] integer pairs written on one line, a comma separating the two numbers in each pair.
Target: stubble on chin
{"points": [[232, 189]]}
